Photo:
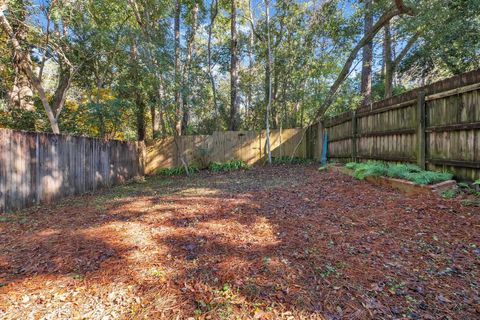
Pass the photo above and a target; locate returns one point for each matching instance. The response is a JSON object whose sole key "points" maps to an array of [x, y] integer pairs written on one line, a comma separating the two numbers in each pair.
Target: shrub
{"points": [[177, 171], [201, 156], [408, 172], [290, 160], [228, 166]]}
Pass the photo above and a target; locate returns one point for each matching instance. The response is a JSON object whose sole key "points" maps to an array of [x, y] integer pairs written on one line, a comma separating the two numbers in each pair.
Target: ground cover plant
{"points": [[279, 242], [228, 166], [408, 172], [290, 160], [177, 171]]}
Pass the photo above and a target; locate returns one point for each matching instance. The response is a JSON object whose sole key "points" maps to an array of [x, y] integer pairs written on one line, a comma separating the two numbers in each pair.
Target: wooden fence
{"points": [[223, 146], [40, 167], [436, 126]]}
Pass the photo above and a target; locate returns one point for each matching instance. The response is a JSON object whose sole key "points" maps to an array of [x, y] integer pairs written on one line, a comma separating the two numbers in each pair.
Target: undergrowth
{"points": [[228, 166], [290, 160], [408, 172], [177, 171]]}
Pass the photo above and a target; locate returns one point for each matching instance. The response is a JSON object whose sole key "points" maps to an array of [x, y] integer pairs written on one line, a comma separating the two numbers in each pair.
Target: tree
{"points": [[398, 9], [269, 63], [234, 98], [24, 64], [367, 60]]}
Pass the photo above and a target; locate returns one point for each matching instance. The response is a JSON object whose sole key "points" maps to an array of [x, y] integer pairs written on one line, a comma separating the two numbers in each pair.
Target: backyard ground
{"points": [[282, 242]]}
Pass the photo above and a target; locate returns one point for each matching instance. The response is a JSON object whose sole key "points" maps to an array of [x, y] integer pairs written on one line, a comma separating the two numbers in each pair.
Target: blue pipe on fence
{"points": [[324, 148]]}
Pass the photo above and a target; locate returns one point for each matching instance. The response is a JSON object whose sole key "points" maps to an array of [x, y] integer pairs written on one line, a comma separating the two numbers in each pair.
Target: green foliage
{"points": [[477, 182], [450, 193], [201, 157], [290, 160], [177, 171], [408, 172], [228, 166]]}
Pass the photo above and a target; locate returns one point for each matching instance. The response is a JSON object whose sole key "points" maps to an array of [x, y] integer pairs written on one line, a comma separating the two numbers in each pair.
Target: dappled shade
{"points": [[270, 243]]}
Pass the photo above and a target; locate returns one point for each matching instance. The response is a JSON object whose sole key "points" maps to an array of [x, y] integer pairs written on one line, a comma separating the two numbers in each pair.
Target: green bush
{"points": [[408, 172], [228, 166], [290, 160], [177, 171]]}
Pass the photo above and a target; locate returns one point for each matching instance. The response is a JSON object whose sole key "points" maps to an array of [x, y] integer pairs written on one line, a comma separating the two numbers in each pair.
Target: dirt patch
{"points": [[285, 242]]}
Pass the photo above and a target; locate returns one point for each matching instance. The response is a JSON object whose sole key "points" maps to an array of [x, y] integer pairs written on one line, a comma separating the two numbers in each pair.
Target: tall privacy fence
{"points": [[41, 167], [436, 126], [223, 146]]}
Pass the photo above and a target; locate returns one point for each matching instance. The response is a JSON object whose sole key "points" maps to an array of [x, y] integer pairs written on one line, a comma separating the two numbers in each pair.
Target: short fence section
{"points": [[223, 146], [436, 126], [41, 168]]}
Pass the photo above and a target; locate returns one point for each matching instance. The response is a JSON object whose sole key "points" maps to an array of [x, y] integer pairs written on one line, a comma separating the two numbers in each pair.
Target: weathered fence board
{"points": [[392, 129], [41, 168], [223, 146]]}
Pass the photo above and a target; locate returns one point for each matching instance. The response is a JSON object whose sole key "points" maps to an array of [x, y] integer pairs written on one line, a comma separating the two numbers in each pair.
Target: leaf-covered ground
{"points": [[282, 242]]}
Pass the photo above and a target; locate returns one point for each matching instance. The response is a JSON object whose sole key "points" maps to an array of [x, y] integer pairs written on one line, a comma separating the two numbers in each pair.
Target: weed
{"points": [[177, 171], [329, 270], [449, 194], [408, 172], [228, 166]]}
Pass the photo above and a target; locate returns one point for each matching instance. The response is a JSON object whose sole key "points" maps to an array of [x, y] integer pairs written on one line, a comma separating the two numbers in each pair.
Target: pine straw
{"points": [[283, 242]]}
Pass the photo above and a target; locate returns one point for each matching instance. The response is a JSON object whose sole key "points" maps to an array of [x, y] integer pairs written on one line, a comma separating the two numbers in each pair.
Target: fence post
{"points": [[354, 136], [421, 134], [319, 146]]}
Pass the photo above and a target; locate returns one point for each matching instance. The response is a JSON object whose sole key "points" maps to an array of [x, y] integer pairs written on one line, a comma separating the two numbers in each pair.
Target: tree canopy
{"points": [[141, 69]]}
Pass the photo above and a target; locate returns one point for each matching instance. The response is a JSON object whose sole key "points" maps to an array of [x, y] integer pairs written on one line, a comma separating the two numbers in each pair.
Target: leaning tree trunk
{"points": [[385, 18]]}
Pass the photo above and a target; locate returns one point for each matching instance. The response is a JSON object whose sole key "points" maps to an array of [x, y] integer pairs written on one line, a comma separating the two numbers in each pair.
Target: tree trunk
{"points": [[21, 95], [269, 62], [139, 101], [178, 93], [366, 85], [213, 15], [186, 77], [234, 101], [387, 62]]}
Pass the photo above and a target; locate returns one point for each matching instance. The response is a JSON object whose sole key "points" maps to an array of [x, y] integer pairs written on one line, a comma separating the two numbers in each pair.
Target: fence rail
{"points": [[41, 167], [436, 126]]}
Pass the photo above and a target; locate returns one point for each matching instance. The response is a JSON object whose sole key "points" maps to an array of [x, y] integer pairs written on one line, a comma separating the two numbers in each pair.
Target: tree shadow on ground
{"points": [[267, 243]]}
